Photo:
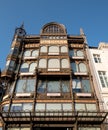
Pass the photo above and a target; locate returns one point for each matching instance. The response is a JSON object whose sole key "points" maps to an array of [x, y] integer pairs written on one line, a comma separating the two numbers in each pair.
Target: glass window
{"points": [[79, 53], [65, 63], [32, 67], [53, 49], [43, 49], [76, 85], [5, 107], [41, 86], [14, 51], [74, 67], [97, 58], [53, 106], [24, 67], [24, 85], [80, 107], [82, 67], [67, 106], [53, 63], [40, 107], [86, 85], [10, 64], [42, 63], [65, 85], [103, 78], [27, 53], [71, 53], [64, 49], [35, 53], [53, 86], [91, 107], [21, 107]]}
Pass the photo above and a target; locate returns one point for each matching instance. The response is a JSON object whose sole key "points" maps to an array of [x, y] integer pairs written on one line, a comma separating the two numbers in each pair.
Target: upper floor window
{"points": [[76, 53], [25, 67], [53, 50], [103, 78], [81, 67], [14, 51], [10, 65], [97, 58], [81, 85], [31, 53]]}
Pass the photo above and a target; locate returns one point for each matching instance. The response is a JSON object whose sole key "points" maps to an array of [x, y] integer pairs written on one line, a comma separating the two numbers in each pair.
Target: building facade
{"points": [[48, 83], [99, 69]]}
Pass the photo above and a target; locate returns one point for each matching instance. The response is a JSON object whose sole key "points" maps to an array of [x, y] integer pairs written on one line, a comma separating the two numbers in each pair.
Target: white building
{"points": [[99, 69]]}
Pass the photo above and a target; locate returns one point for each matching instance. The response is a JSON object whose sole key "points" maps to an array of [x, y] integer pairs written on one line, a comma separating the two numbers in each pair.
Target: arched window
{"points": [[79, 53], [42, 63], [43, 49], [64, 49], [64, 63], [82, 67], [27, 53], [54, 63], [53, 49], [32, 67], [35, 53], [24, 67]]}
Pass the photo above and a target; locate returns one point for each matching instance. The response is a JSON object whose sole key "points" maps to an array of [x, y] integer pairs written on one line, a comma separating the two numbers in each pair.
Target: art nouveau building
{"points": [[49, 83]]}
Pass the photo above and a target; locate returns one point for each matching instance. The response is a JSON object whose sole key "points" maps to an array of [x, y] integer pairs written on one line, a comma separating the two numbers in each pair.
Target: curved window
{"points": [[42, 63], [64, 49], [27, 53], [53, 49], [43, 49], [53, 63], [25, 86], [24, 67], [65, 63], [79, 53], [53, 29], [35, 53], [82, 67], [32, 67]]}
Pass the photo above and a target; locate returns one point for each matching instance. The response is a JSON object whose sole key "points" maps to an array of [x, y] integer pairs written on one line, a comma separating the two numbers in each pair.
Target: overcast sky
{"points": [[91, 15]]}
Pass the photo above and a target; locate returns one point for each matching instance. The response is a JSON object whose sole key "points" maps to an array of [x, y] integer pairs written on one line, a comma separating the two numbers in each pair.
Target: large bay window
{"points": [[82, 85], [25, 86], [53, 86]]}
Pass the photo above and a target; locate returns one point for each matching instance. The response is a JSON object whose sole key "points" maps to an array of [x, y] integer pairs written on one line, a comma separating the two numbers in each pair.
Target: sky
{"points": [[91, 15]]}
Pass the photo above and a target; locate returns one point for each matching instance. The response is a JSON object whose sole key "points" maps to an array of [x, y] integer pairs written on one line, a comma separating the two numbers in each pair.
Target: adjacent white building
{"points": [[98, 58]]}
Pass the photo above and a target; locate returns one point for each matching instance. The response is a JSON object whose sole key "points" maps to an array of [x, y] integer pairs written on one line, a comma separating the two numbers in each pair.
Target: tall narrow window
{"points": [[97, 58], [82, 67], [64, 63], [103, 79], [24, 67], [32, 67]]}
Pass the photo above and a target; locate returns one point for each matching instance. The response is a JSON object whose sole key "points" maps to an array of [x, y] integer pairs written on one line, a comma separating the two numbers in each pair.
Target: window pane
{"points": [[80, 107], [65, 63], [16, 107], [79, 53], [74, 67], [64, 49], [35, 53], [41, 86], [67, 106], [5, 107], [27, 106], [53, 106], [43, 49], [24, 67], [53, 49], [27, 53], [53, 86], [42, 63], [71, 53], [53, 63], [25, 85], [40, 107], [65, 86], [82, 67], [91, 107], [86, 85], [76, 85], [32, 67]]}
